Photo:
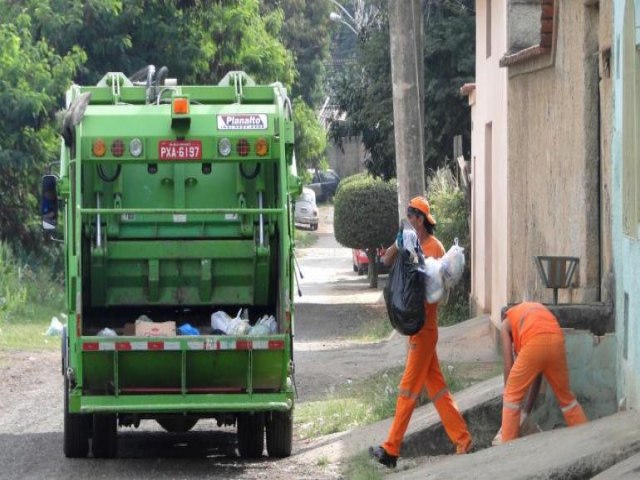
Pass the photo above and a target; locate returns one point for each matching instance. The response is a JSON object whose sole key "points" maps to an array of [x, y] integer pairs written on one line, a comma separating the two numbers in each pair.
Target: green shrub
{"points": [[365, 212], [365, 216]]}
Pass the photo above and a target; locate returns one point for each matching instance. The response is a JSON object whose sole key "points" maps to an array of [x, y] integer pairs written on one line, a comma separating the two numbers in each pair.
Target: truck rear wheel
{"points": [[76, 430], [105, 436], [251, 435], [279, 427]]}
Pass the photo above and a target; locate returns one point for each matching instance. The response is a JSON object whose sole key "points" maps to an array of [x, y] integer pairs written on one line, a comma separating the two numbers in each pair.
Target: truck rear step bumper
{"points": [[186, 403]]}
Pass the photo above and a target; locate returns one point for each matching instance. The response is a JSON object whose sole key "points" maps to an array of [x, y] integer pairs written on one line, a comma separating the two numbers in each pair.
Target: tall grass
{"points": [[30, 294]]}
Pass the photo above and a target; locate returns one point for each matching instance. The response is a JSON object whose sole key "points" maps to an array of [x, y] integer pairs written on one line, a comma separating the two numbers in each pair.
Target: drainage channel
{"points": [[483, 421]]}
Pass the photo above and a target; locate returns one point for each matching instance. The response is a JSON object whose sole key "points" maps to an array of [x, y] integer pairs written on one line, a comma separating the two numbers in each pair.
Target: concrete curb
{"points": [[566, 453]]}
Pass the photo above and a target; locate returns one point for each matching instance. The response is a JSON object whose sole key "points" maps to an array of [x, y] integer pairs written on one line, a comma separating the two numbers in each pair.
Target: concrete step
{"points": [[626, 470], [568, 453], [480, 404]]}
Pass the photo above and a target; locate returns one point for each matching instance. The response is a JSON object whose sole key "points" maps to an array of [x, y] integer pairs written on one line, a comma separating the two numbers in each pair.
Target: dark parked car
{"points": [[324, 183]]}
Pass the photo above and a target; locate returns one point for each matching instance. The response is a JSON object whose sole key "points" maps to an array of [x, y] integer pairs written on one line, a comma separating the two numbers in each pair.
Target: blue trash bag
{"points": [[187, 329]]}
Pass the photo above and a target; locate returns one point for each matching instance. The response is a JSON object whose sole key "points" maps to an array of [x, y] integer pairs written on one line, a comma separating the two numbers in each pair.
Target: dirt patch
{"points": [[336, 324]]}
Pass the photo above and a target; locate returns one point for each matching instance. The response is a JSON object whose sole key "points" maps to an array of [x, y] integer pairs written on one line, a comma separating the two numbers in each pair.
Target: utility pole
{"points": [[407, 70]]}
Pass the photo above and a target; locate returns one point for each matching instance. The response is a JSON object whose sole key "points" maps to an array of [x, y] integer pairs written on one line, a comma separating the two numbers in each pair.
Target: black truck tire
{"points": [[251, 434], [76, 430], [279, 427], [105, 436]]}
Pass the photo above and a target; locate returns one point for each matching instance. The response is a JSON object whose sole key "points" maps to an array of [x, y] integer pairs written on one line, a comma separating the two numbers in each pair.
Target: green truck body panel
{"points": [[176, 239]]}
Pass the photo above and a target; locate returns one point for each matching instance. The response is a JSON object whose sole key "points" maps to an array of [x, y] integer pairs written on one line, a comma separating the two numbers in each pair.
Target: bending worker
{"points": [[422, 369], [532, 333]]}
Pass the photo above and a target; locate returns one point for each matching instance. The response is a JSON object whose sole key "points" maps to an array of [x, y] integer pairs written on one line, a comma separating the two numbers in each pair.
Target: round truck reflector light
{"points": [[99, 148], [117, 148], [242, 147], [135, 147], [224, 147], [262, 147]]}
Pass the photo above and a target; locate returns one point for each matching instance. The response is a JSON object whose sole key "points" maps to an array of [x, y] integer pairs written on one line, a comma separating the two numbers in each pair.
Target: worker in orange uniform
{"points": [[532, 333], [422, 369]]}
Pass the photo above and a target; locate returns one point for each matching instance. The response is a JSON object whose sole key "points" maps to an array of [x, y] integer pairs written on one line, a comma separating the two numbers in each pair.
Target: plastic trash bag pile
{"points": [[443, 273], [223, 324]]}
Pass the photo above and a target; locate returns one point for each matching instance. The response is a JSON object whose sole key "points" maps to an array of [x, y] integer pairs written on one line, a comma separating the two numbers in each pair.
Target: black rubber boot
{"points": [[381, 455]]}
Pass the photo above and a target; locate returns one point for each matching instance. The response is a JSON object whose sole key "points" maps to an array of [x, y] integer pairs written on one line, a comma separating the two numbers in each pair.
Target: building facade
{"points": [[489, 188], [541, 163], [626, 196]]}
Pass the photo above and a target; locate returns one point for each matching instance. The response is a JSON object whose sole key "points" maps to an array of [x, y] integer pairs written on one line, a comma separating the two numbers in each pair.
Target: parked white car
{"points": [[306, 212]]}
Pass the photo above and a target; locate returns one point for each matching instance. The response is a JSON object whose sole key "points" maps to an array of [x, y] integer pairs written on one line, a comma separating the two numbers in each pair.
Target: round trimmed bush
{"points": [[366, 212]]}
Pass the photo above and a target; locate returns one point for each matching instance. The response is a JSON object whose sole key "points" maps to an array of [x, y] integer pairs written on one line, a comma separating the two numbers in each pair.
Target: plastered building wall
{"points": [[625, 201], [605, 35], [489, 188], [554, 159]]}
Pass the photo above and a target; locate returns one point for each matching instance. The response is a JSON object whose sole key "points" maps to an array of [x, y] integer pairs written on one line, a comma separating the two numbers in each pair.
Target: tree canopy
{"points": [[363, 89], [33, 78], [45, 45]]}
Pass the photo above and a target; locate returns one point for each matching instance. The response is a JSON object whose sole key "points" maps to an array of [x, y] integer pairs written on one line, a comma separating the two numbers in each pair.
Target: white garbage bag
{"points": [[239, 325], [143, 319], [434, 286], [410, 242], [265, 326], [107, 332], [55, 328], [220, 321], [453, 265]]}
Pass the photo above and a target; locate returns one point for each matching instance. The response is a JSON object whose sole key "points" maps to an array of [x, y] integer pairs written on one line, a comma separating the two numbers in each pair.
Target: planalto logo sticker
{"points": [[247, 121]]}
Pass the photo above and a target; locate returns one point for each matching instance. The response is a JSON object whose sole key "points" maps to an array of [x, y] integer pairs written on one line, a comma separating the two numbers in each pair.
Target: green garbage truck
{"points": [[175, 206]]}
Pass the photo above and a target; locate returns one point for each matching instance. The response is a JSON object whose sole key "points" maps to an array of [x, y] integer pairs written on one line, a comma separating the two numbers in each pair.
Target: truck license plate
{"points": [[180, 150]]}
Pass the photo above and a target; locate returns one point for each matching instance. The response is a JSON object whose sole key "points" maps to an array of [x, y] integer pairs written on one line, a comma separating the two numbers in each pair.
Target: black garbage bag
{"points": [[404, 293]]}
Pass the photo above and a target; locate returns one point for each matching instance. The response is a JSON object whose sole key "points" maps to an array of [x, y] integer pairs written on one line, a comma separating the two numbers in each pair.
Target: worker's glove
{"points": [[398, 241]]}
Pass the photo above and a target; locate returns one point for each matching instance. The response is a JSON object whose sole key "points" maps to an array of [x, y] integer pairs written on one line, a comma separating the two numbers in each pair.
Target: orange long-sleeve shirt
{"points": [[529, 319]]}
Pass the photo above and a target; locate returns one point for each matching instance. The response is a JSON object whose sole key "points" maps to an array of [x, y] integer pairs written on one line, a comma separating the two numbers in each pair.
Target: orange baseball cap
{"points": [[421, 204]]}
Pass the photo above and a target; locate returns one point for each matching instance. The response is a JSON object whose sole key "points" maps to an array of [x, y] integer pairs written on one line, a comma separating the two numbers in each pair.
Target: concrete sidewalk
{"points": [[568, 453]]}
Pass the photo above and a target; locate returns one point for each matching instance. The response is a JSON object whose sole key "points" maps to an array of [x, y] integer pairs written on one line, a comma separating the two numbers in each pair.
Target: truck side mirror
{"points": [[49, 205]]}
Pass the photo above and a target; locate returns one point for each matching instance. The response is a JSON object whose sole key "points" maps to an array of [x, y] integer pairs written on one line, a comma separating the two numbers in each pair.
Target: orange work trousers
{"points": [[543, 354], [423, 371]]}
